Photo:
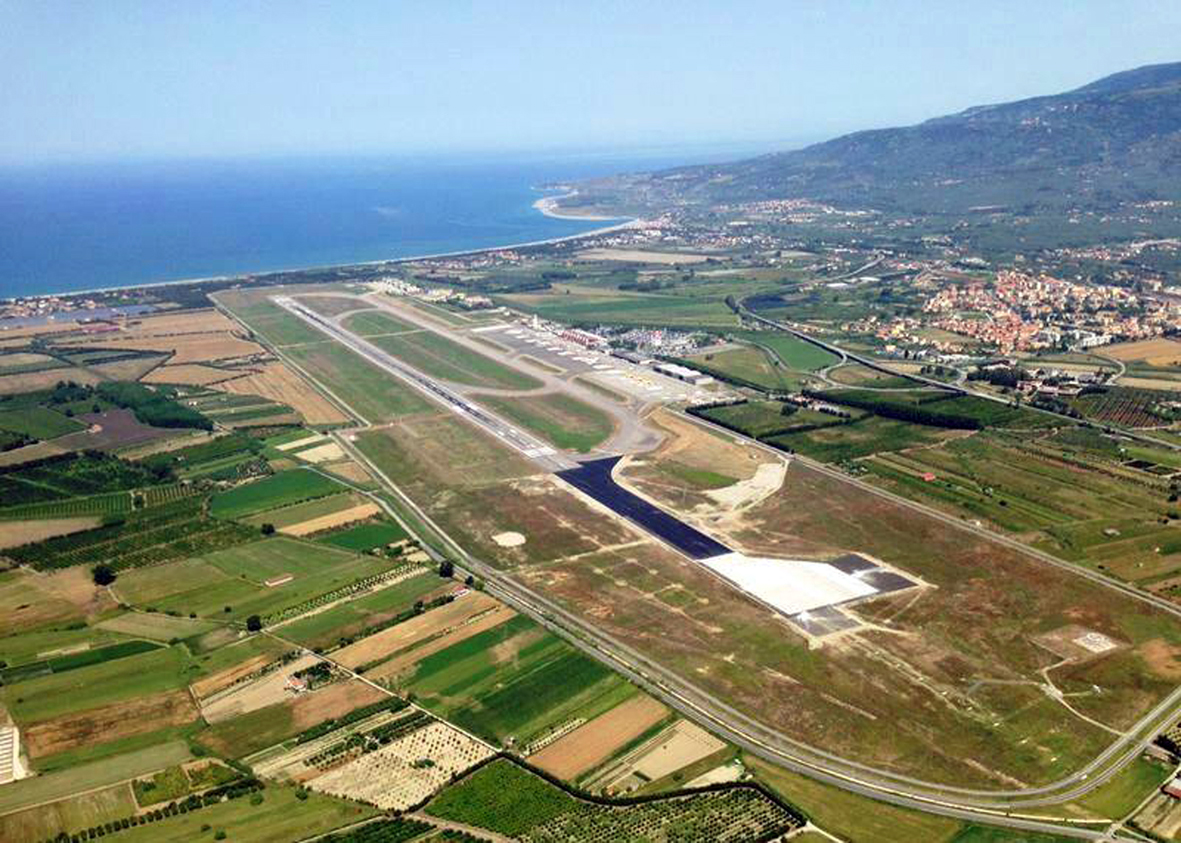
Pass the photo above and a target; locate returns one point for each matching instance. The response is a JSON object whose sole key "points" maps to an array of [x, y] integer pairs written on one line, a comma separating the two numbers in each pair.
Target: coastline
{"points": [[626, 223], [548, 205]]}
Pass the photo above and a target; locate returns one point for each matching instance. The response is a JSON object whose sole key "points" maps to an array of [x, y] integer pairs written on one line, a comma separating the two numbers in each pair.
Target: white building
{"points": [[683, 373], [11, 768]]}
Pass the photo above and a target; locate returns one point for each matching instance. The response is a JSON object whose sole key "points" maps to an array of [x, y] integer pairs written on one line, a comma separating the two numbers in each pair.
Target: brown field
{"points": [[333, 701], [1154, 352], [192, 374], [16, 533], [45, 822], [389, 641], [335, 519], [1151, 383], [110, 722], [115, 429], [29, 600], [187, 348], [351, 471], [45, 379], [594, 742], [395, 666], [24, 358], [128, 370], [180, 322], [210, 685], [276, 381], [28, 453]]}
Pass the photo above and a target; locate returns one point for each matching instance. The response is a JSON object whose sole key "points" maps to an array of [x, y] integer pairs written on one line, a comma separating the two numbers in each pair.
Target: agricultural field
{"points": [[1127, 407], [859, 438], [282, 489], [508, 799], [592, 743], [855, 374], [275, 578], [560, 419], [748, 364], [365, 537]]}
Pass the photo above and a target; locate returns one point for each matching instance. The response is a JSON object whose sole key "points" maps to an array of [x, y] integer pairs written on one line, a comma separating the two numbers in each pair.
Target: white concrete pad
{"points": [[789, 585]]}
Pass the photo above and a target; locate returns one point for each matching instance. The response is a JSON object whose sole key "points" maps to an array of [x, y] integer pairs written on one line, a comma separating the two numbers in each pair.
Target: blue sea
{"points": [[86, 226]]}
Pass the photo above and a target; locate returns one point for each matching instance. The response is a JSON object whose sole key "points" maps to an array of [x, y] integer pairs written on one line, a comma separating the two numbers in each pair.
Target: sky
{"points": [[132, 80]]}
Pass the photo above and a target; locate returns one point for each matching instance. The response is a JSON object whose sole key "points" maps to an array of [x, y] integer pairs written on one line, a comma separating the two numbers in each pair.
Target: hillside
{"points": [[1117, 139]]}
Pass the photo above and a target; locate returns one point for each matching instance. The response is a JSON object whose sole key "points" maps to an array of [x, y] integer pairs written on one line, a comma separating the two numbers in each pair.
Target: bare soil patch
{"points": [[16, 533], [594, 742], [268, 689], [1154, 352], [210, 685], [335, 700], [335, 519], [638, 256], [110, 722]]}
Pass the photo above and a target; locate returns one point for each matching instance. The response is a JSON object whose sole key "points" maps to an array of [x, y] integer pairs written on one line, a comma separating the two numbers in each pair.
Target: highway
{"points": [[996, 807]]}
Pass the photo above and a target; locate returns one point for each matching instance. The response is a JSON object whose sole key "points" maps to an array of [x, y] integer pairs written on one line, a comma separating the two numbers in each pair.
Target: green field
{"points": [[860, 438], [377, 322], [367, 536], [46, 788], [439, 357], [50, 696], [589, 305], [560, 419], [75, 661], [795, 353], [47, 821], [235, 579], [280, 815], [513, 681], [510, 800], [286, 516], [282, 489], [747, 364], [38, 422], [370, 391], [324, 629], [754, 418]]}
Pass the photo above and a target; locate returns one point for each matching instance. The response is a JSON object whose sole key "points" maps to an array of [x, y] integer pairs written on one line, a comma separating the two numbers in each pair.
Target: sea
{"points": [[83, 226]]}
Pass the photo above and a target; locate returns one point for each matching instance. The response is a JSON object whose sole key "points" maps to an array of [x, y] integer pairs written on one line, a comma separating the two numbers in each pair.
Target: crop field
{"points": [[855, 374], [560, 419], [74, 661], [325, 629], [277, 382], [236, 579], [144, 537], [594, 742], [367, 536], [69, 476], [512, 682], [282, 489], [37, 422], [47, 697], [29, 601], [280, 815], [1125, 406], [508, 799], [860, 438], [367, 389], [47, 821], [298, 513], [443, 358], [154, 627], [16, 533], [756, 419], [94, 776]]}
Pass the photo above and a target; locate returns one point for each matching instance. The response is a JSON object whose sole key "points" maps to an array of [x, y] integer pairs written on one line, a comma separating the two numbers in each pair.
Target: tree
{"points": [[446, 569], [254, 623], [268, 529], [103, 574]]}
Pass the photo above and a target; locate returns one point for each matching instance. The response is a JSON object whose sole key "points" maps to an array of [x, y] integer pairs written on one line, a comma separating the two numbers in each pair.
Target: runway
{"points": [[528, 446]]}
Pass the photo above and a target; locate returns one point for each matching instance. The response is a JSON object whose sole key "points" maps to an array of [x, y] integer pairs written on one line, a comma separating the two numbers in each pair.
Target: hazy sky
{"points": [[177, 78]]}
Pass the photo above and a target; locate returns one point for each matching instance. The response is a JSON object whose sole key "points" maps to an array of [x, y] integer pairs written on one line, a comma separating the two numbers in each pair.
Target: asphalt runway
{"points": [[594, 479]]}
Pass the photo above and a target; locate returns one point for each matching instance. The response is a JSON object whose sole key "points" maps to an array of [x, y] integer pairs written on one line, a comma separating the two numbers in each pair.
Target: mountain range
{"points": [[1115, 140]]}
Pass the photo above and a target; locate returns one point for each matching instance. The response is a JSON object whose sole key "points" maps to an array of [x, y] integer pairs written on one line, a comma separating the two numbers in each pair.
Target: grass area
{"points": [[794, 352], [282, 489], [511, 681], [163, 786], [583, 305], [75, 661], [855, 374], [439, 357], [298, 513], [367, 536], [33, 791], [1131, 786], [748, 364], [46, 697], [852, 817], [860, 438], [369, 390], [280, 815], [38, 422], [991, 834], [235, 579], [377, 322], [560, 419], [755, 418]]}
